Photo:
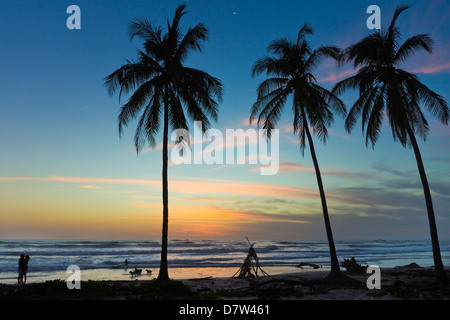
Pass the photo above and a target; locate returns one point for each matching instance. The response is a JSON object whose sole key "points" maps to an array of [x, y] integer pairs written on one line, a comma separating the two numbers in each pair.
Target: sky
{"points": [[66, 174]]}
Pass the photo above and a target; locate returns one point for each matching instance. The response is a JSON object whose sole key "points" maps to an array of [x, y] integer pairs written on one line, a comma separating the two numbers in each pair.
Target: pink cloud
{"points": [[145, 197], [428, 69], [191, 187], [335, 77], [290, 166], [431, 69], [98, 180], [21, 179], [90, 187], [199, 199], [246, 122]]}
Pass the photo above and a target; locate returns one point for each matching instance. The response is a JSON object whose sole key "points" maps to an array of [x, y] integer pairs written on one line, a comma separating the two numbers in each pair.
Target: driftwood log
{"points": [[306, 264]]}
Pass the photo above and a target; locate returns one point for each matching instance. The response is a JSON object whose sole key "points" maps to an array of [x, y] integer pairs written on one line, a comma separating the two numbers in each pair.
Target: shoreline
{"points": [[122, 274]]}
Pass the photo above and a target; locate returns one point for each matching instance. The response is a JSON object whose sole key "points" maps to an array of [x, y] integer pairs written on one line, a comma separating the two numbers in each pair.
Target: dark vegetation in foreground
{"points": [[411, 284], [151, 290]]}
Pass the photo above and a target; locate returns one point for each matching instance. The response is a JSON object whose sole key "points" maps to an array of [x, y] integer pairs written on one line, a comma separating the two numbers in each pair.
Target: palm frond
{"points": [[272, 66], [179, 13], [176, 114], [273, 115], [397, 13], [262, 104], [130, 76], [270, 85], [373, 118], [299, 124], [417, 118], [144, 29], [148, 124], [191, 41], [366, 51], [137, 100], [432, 101], [413, 44], [281, 46], [361, 80], [330, 99], [271, 110], [319, 54], [364, 101], [306, 29]]}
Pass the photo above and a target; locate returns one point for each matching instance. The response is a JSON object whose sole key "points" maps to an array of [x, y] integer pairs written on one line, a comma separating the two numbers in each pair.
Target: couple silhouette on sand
{"points": [[23, 268]]}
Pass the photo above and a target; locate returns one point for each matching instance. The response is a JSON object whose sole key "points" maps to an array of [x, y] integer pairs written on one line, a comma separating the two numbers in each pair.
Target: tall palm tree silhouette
{"points": [[163, 86], [385, 88], [291, 68]]}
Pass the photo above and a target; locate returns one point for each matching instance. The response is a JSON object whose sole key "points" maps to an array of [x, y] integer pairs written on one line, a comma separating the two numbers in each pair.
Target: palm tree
{"points": [[290, 69], [163, 86], [385, 88]]}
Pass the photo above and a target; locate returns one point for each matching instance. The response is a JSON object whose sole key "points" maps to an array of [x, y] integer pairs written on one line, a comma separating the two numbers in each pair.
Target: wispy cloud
{"points": [[389, 169], [345, 174], [292, 167], [336, 76], [189, 187], [22, 179], [89, 187], [343, 134], [432, 69], [145, 197], [214, 168], [219, 215], [99, 180], [199, 199]]}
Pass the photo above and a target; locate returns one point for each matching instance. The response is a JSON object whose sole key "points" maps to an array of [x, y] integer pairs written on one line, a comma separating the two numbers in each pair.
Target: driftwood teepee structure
{"points": [[251, 263]]}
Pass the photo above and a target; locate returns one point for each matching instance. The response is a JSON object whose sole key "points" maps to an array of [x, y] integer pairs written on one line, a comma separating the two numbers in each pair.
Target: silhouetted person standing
{"points": [[25, 268], [20, 270]]}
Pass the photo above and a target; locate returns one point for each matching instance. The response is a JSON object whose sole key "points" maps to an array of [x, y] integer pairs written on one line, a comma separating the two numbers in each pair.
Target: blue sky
{"points": [[67, 174]]}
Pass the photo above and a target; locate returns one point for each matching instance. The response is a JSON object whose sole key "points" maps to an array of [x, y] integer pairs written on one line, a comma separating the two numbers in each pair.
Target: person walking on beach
{"points": [[20, 270]]}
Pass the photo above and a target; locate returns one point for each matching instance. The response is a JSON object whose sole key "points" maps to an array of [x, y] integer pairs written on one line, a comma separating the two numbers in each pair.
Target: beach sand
{"points": [[396, 284]]}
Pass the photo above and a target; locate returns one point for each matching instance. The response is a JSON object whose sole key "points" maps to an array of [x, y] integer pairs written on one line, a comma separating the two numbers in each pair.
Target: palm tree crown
{"points": [[158, 76], [385, 88], [292, 68]]}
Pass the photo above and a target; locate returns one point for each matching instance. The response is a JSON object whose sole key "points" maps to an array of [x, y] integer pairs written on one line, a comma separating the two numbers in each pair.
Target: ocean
{"points": [[104, 260]]}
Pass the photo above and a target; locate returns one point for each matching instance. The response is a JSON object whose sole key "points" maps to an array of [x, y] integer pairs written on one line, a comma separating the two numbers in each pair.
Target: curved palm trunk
{"points": [[334, 260], [441, 275], [163, 270]]}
